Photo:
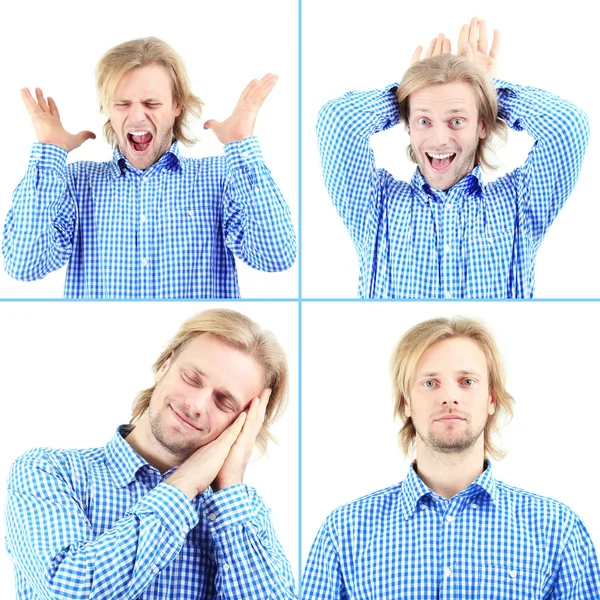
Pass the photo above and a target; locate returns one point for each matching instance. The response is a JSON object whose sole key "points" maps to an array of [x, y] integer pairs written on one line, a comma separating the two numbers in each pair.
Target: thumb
{"points": [[211, 124], [82, 136]]}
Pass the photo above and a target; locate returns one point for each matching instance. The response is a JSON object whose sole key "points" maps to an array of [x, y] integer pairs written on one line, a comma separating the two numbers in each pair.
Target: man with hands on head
{"points": [[151, 223], [161, 511], [446, 234], [450, 529]]}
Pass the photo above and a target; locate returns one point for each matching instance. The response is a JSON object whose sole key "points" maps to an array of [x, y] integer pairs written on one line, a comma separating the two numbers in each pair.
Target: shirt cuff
{"points": [[171, 507], [241, 154], [228, 507]]}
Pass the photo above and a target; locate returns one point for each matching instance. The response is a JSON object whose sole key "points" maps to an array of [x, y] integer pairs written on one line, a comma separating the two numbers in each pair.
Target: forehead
{"points": [[443, 97], [454, 354], [151, 81]]}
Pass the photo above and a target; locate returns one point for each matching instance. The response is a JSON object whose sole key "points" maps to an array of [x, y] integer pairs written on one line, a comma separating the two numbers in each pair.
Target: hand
{"points": [[234, 467], [240, 124], [439, 45], [200, 469], [46, 121], [472, 43]]}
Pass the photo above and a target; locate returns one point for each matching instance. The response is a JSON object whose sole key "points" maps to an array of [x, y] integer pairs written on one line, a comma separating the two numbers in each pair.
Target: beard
{"points": [[452, 442]]}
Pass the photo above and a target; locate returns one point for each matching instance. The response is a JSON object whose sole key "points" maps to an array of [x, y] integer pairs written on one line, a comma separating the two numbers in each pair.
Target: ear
{"points": [[481, 130], [406, 403], [491, 404], [162, 371], [177, 108]]}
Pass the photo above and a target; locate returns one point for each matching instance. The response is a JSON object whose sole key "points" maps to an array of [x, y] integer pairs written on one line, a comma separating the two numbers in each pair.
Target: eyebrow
{"points": [[151, 99], [451, 111], [437, 373], [222, 391]]}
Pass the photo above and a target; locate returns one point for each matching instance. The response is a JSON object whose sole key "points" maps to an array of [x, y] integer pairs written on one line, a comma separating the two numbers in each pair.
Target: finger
{"points": [[212, 124], [430, 49], [463, 37], [439, 42], [482, 45], [495, 44], [231, 434], [473, 33], [83, 136], [447, 46], [53, 107], [416, 57], [31, 105], [41, 100], [262, 89], [248, 89]]}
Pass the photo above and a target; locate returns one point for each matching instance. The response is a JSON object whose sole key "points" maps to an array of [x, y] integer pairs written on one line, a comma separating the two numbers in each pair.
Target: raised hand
{"points": [[240, 124], [439, 45], [234, 467], [46, 121], [473, 43], [200, 469]]}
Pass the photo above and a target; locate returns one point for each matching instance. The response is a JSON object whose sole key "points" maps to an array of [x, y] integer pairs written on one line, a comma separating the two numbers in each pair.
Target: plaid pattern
{"points": [[476, 241], [100, 524], [490, 541], [169, 231]]}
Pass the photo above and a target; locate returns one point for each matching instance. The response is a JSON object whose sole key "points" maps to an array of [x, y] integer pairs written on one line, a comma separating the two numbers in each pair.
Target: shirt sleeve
{"points": [[257, 220], [52, 543], [250, 561], [40, 223], [561, 133], [323, 578], [344, 127], [579, 573]]}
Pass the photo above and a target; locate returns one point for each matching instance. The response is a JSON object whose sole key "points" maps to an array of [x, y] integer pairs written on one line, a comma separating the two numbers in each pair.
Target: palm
{"points": [[473, 44]]}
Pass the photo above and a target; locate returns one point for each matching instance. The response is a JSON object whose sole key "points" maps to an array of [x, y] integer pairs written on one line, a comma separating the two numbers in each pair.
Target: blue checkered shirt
{"points": [[102, 524], [169, 231], [476, 241], [491, 541]]}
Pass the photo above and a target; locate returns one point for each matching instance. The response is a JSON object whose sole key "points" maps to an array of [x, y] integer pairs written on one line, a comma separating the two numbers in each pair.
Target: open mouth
{"points": [[440, 162], [140, 140]]}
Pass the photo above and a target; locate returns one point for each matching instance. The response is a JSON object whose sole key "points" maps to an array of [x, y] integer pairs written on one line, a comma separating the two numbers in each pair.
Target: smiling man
{"points": [[446, 234], [450, 529], [161, 511], [151, 223]]}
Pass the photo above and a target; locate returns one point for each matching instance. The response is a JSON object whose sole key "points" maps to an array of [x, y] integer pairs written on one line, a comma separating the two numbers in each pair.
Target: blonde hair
{"points": [[416, 341], [447, 68], [142, 52], [240, 333]]}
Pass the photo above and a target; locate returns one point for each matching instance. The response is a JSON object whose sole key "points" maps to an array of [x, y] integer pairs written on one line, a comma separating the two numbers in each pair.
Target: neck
{"points": [[448, 474], [146, 445]]}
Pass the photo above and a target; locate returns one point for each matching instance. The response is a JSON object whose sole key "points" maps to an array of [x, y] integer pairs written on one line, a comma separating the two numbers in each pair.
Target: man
{"points": [[150, 223], [450, 529], [446, 234], [161, 511]]}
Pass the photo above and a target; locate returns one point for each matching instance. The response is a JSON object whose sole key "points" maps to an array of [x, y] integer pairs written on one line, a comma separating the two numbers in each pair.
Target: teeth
{"points": [[139, 132], [441, 155]]}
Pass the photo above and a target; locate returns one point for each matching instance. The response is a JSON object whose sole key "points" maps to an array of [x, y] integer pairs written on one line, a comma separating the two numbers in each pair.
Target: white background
{"points": [[56, 45], [71, 370], [349, 444], [368, 48]]}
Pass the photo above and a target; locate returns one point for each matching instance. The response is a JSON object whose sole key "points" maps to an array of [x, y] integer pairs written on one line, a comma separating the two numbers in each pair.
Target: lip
{"points": [[445, 169], [130, 143], [181, 419], [450, 418]]}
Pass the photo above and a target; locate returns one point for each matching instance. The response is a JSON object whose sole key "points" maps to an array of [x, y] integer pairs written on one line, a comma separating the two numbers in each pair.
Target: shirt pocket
{"points": [[509, 584]]}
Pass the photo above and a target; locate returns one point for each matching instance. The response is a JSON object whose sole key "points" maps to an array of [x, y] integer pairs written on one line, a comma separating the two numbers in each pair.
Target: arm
{"points": [[257, 222], [250, 560], [561, 132], [344, 127], [39, 227], [578, 572], [322, 578], [52, 543]]}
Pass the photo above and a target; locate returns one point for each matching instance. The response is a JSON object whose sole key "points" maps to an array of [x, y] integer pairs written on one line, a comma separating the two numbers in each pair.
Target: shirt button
{"points": [[245, 154], [191, 213], [512, 574], [449, 518], [447, 571], [212, 517], [491, 240], [448, 294], [143, 218], [474, 505], [144, 262], [225, 567], [447, 248]]}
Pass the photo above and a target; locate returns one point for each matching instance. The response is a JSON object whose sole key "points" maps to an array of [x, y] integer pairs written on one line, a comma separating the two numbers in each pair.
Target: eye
{"points": [[152, 104], [223, 404], [122, 104], [429, 383], [423, 121], [469, 382], [457, 122], [190, 379]]}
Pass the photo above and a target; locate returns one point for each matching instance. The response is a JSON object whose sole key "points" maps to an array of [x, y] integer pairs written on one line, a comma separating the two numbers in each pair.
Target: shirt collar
{"points": [[170, 160], [467, 185], [413, 489], [122, 460]]}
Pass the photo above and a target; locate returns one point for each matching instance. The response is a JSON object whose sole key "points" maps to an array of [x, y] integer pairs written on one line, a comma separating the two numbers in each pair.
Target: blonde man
{"points": [[445, 234], [161, 511], [450, 529], [151, 223]]}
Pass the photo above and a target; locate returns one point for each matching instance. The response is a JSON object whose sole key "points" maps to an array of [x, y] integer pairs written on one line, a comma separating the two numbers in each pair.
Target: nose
{"points": [[137, 113], [439, 135], [450, 395], [198, 402]]}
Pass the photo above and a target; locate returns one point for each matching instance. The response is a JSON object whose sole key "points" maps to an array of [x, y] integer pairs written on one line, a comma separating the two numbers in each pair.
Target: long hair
{"points": [[416, 341], [142, 52], [240, 333], [447, 68]]}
